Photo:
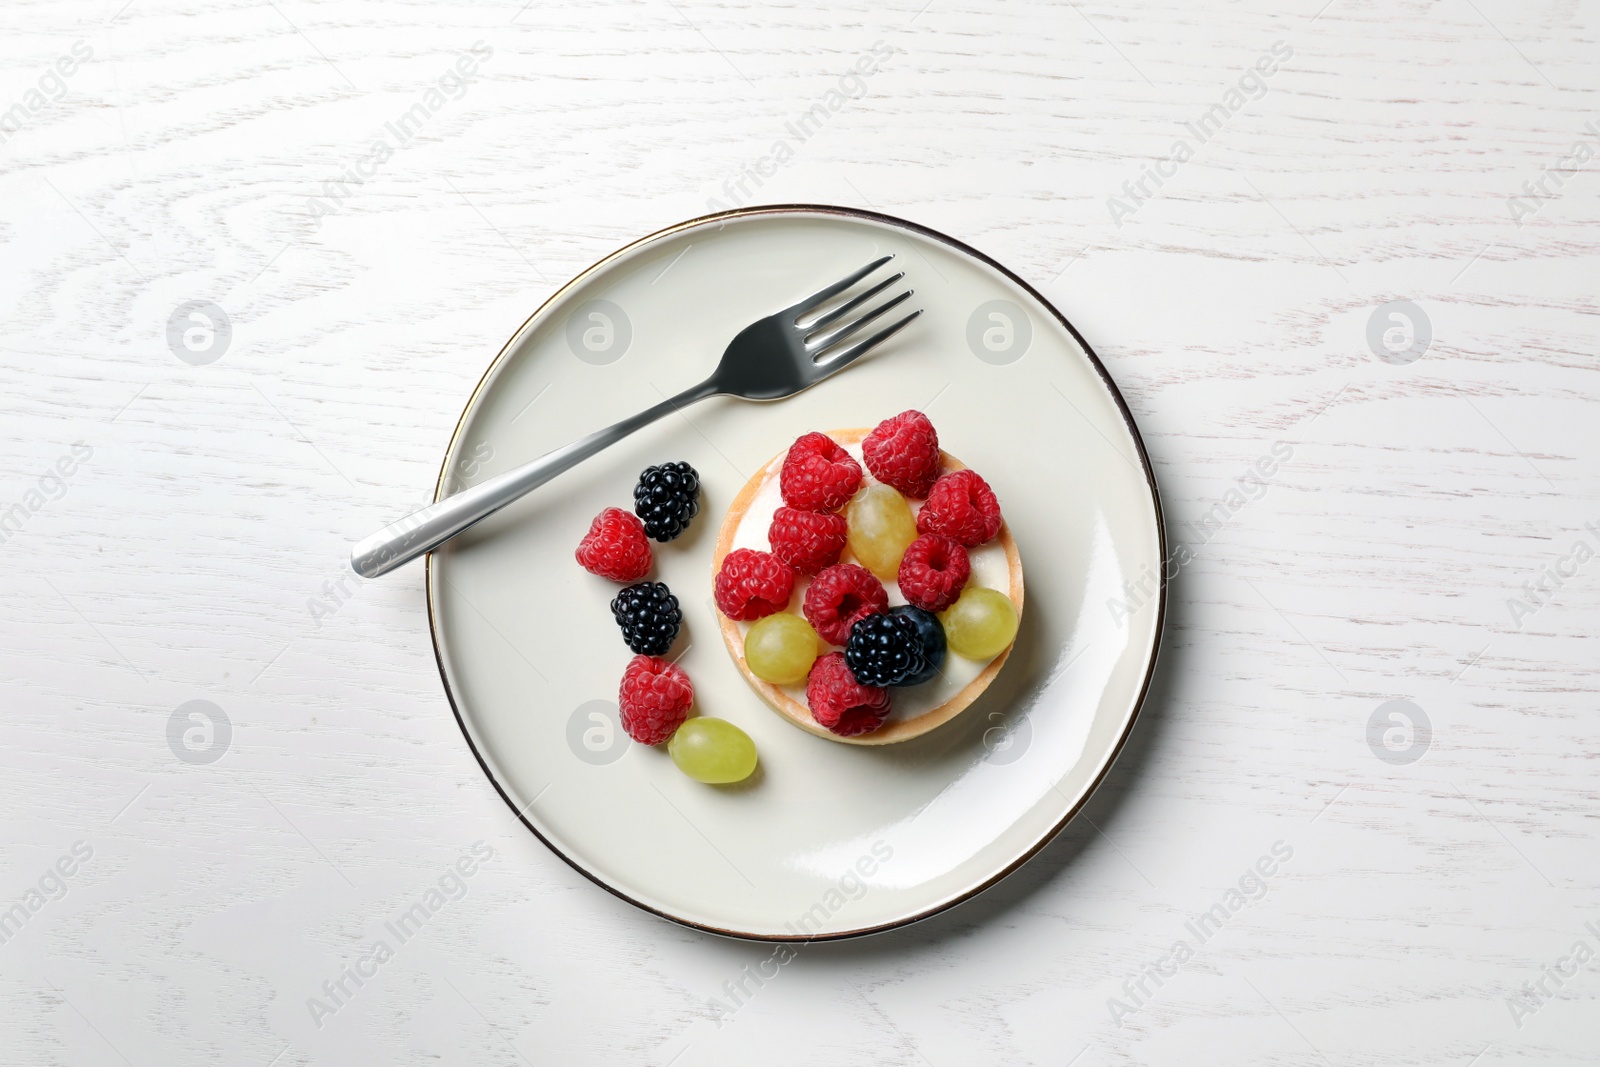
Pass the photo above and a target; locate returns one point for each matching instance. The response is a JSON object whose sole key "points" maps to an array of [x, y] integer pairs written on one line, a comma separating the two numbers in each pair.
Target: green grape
{"points": [[781, 648], [713, 751], [981, 624], [881, 527]]}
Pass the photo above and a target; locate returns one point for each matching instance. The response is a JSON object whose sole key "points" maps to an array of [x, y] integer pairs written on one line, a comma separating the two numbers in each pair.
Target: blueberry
{"points": [[930, 631]]}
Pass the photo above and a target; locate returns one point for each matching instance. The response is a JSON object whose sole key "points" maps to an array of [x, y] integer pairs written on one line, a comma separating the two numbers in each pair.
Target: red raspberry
{"points": [[933, 572], [840, 703], [818, 475], [807, 540], [904, 452], [655, 699], [962, 507], [615, 547], [753, 584], [839, 596]]}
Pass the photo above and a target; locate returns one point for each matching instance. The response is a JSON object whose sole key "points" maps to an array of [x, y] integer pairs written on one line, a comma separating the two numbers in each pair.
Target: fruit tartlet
{"points": [[867, 585]]}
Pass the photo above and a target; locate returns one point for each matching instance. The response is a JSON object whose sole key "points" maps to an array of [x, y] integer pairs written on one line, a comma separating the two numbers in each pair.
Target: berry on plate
{"points": [[904, 452], [894, 649], [649, 616], [807, 540], [713, 751], [615, 547], [666, 499], [840, 703], [654, 699], [933, 572], [839, 596], [818, 475], [752, 584], [962, 507]]}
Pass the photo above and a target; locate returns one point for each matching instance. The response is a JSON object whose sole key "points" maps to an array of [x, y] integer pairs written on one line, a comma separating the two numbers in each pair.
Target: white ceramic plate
{"points": [[826, 840]]}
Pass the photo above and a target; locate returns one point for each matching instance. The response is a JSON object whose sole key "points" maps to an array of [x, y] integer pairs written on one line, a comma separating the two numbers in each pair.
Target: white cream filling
{"points": [[990, 570]]}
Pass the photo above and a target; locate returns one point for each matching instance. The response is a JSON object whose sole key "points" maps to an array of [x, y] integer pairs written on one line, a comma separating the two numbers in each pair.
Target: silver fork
{"points": [[770, 359]]}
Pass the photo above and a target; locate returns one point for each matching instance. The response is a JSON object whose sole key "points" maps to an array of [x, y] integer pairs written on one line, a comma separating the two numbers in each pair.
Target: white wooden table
{"points": [[374, 224]]}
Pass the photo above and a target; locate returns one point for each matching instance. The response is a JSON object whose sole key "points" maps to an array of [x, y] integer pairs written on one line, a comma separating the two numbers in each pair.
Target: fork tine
{"points": [[834, 336], [850, 305], [810, 302], [861, 348]]}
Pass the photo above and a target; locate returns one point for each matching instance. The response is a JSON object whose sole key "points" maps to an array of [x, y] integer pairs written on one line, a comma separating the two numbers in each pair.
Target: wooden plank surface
{"points": [[182, 528]]}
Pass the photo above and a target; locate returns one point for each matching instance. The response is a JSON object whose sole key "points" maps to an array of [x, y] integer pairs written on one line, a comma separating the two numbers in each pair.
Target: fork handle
{"points": [[425, 530]]}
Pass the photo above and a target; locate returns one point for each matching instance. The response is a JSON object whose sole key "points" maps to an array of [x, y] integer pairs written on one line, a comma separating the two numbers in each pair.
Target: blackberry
{"points": [[649, 616], [666, 498], [899, 647]]}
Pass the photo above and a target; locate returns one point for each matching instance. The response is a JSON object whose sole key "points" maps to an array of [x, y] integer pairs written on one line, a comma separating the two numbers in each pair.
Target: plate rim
{"points": [[1157, 636]]}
